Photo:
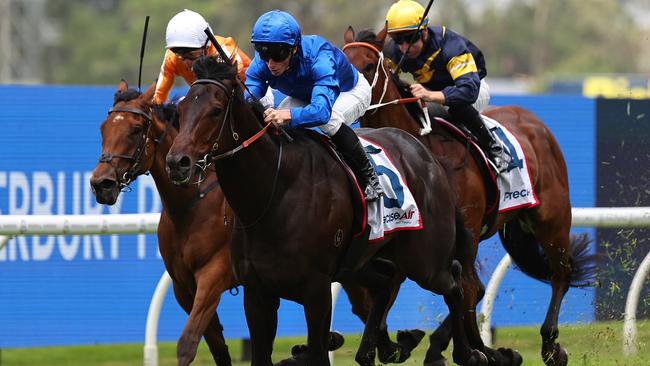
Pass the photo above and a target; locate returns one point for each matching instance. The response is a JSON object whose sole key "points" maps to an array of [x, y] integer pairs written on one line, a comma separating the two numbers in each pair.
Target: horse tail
{"points": [[529, 256]]}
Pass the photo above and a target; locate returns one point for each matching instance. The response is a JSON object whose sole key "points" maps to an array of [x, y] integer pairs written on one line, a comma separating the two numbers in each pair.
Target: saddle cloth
{"points": [[515, 187], [397, 209]]}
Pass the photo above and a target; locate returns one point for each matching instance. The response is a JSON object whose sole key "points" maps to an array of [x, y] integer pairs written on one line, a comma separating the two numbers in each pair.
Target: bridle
{"points": [[131, 173], [427, 122], [212, 155], [380, 64]]}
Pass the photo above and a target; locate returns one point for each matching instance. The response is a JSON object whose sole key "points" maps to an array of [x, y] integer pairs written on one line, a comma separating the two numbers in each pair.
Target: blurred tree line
{"points": [[99, 40]]}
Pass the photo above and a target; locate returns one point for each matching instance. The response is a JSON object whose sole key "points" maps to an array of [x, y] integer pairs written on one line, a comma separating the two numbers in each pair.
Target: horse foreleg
{"points": [[463, 354], [262, 319], [318, 312], [204, 321]]}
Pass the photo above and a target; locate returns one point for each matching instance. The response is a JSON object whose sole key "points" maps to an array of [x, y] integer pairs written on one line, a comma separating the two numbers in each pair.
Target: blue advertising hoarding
{"points": [[96, 289]]}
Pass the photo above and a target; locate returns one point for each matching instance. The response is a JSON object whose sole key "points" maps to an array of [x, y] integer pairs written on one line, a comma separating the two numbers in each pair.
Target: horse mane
{"points": [[125, 95], [368, 36], [213, 67]]}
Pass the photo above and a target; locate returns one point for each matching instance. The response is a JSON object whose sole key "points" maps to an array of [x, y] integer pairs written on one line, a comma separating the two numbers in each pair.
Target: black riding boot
{"points": [[467, 115], [347, 142]]}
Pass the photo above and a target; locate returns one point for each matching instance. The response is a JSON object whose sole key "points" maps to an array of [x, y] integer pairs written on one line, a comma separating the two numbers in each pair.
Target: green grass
{"points": [[597, 344]]}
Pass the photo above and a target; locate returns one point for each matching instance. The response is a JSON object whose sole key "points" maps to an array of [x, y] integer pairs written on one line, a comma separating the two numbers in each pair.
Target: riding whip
{"points": [[144, 41], [224, 56], [415, 34]]}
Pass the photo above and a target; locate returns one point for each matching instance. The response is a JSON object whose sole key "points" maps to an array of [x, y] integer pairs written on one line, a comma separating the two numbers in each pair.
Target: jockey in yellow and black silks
{"points": [[448, 70]]}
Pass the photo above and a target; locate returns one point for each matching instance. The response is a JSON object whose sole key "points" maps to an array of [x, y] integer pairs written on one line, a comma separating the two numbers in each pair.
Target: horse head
{"points": [[127, 149], [204, 114], [365, 51]]}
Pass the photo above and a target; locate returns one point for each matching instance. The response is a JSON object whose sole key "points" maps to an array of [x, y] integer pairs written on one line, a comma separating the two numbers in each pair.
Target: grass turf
{"points": [[588, 344]]}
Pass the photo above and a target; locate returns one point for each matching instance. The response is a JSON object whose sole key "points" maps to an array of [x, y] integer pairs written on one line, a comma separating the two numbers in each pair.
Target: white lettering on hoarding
{"points": [[43, 193]]}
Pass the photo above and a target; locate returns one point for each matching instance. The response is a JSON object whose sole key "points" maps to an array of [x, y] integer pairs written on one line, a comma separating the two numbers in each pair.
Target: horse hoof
{"points": [[298, 350], [438, 362], [287, 362], [336, 341], [557, 357], [477, 358], [409, 339], [513, 356]]}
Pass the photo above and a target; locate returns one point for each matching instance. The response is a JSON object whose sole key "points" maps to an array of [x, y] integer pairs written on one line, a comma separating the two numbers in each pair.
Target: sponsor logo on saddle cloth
{"points": [[515, 187], [397, 209]]}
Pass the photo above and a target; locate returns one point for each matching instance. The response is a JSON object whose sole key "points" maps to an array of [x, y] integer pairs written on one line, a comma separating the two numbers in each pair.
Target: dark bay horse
{"points": [[537, 238], [195, 226], [293, 215]]}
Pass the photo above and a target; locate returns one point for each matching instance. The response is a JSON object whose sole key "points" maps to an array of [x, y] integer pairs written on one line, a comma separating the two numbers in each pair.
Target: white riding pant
{"points": [[347, 108], [483, 97]]}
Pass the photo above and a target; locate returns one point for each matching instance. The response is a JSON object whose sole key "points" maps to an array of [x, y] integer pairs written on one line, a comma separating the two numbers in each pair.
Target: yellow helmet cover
{"points": [[405, 15]]}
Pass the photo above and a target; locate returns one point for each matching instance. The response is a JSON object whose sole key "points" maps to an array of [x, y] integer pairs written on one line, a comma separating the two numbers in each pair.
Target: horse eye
{"points": [[136, 130], [370, 68], [216, 112]]}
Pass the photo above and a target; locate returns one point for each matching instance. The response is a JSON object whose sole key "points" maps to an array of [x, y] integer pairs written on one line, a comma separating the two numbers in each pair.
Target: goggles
{"points": [[277, 52], [188, 54], [405, 37]]}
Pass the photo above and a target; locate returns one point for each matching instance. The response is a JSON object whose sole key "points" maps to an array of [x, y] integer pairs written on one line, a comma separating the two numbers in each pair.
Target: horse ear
{"points": [[147, 96], [348, 37], [381, 36], [122, 86]]}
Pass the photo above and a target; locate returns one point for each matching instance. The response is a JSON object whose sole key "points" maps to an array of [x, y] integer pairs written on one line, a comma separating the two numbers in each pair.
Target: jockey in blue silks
{"points": [[323, 88]]}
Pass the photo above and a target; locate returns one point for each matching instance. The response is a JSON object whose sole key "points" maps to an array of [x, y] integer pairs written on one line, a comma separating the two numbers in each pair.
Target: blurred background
{"points": [[530, 46]]}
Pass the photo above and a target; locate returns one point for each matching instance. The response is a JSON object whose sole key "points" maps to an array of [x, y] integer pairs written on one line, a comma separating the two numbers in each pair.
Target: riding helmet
{"points": [[405, 15], [276, 26], [186, 30]]}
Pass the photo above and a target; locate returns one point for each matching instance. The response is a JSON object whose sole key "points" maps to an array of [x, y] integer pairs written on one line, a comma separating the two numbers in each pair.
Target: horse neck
{"points": [[173, 197], [247, 176], [393, 115]]}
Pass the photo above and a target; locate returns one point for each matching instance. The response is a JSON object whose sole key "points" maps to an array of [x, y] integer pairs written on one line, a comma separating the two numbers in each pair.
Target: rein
{"points": [[130, 174], [427, 123], [209, 158]]}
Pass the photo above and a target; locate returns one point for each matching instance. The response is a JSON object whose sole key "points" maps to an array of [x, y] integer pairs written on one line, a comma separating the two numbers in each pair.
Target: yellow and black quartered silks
{"points": [[449, 63]]}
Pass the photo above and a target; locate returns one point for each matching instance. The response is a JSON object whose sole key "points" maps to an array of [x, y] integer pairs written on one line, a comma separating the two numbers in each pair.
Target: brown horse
{"points": [[294, 215], [193, 237], [194, 232], [537, 238]]}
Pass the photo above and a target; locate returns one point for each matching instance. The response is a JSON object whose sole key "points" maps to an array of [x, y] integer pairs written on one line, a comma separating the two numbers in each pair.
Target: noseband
{"points": [[211, 156], [380, 63], [130, 174]]}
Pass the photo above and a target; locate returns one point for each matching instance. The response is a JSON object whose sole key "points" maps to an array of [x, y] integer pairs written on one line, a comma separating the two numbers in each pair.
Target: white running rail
{"points": [[612, 217]]}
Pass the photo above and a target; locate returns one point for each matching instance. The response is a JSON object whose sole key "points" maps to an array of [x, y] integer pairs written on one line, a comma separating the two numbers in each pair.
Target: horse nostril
{"points": [[104, 184], [184, 163]]}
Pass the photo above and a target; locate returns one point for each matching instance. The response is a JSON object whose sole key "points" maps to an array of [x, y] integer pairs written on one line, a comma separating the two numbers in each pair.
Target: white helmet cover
{"points": [[186, 29]]}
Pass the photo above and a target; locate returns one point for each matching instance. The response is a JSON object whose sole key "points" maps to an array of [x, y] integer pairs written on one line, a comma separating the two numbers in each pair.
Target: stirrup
{"points": [[373, 189], [373, 193]]}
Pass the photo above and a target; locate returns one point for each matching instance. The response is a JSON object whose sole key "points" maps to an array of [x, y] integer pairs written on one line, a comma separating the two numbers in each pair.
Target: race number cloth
{"points": [[515, 187], [397, 209]]}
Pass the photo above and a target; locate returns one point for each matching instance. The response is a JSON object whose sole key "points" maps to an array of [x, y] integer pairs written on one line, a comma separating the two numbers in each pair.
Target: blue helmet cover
{"points": [[276, 26]]}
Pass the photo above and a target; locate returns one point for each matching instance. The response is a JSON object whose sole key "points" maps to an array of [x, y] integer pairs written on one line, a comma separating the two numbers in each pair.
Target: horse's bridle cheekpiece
{"points": [[107, 158]]}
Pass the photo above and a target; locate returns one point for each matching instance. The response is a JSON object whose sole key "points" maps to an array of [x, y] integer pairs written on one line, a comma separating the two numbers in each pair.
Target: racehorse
{"points": [[537, 238], [195, 225], [193, 238], [293, 215]]}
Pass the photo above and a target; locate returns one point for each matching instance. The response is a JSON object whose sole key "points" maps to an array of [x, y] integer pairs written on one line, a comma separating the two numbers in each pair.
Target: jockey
{"points": [[186, 42], [448, 69], [323, 88]]}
